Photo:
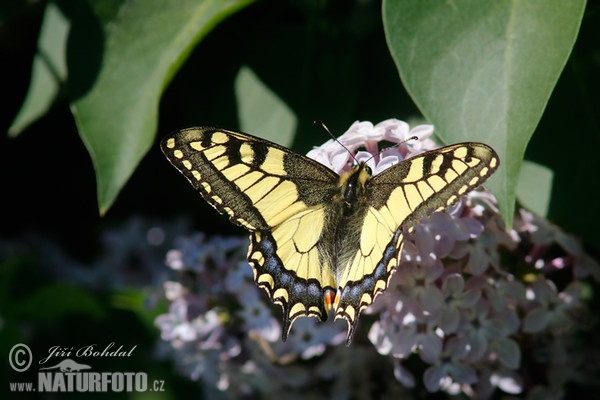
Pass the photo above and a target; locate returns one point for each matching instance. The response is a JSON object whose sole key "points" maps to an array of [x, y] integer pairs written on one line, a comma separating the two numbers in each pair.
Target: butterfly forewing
{"points": [[430, 181], [306, 249], [250, 179]]}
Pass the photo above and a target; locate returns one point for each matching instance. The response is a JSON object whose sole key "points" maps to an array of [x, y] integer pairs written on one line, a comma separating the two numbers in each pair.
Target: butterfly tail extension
{"points": [[357, 295], [297, 296]]}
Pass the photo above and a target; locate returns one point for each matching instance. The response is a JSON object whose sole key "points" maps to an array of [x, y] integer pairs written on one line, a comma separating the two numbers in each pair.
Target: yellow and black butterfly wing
{"points": [[259, 184], [400, 196], [279, 195]]}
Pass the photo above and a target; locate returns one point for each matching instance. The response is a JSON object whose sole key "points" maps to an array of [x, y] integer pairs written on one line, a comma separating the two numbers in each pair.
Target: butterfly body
{"points": [[321, 242]]}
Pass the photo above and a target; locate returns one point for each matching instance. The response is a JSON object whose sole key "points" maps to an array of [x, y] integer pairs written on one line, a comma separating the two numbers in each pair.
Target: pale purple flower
{"points": [[423, 335], [503, 293], [553, 308], [403, 374], [493, 375], [407, 330], [543, 232], [479, 326], [309, 337], [543, 235], [436, 236], [506, 351], [257, 314], [417, 282], [364, 134], [451, 367], [456, 299], [482, 254]]}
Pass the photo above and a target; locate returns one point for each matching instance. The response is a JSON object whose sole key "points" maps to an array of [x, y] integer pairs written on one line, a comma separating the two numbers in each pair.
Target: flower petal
{"points": [[536, 320]]}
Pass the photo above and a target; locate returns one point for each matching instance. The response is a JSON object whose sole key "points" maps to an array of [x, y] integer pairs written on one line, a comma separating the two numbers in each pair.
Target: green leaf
{"points": [[483, 71], [48, 72], [534, 188], [126, 53], [262, 112]]}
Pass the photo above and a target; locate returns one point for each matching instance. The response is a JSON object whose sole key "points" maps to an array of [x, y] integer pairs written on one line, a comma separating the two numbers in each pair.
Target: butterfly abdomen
{"points": [[344, 216]]}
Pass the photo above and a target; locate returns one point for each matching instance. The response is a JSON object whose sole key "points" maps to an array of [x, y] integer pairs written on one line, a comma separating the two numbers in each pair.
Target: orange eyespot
{"points": [[329, 299]]}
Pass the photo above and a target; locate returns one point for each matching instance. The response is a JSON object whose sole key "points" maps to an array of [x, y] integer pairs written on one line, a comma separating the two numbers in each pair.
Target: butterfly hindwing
{"points": [[319, 241], [296, 277]]}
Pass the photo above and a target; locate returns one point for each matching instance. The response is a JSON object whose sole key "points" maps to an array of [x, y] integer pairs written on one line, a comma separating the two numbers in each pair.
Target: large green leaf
{"points": [[261, 111], [483, 70], [534, 189], [49, 70], [122, 55]]}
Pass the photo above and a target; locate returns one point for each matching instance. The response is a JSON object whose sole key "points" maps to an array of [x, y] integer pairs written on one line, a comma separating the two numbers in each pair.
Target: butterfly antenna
{"points": [[414, 137], [322, 124]]}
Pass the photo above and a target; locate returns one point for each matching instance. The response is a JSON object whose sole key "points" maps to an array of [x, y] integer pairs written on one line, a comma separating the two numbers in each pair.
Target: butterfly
{"points": [[321, 242]]}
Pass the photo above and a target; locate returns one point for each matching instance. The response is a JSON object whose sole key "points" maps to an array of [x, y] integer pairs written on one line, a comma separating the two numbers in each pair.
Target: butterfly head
{"points": [[352, 184]]}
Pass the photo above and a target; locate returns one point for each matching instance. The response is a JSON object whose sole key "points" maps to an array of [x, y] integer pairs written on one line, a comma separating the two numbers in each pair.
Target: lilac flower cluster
{"points": [[469, 308]]}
